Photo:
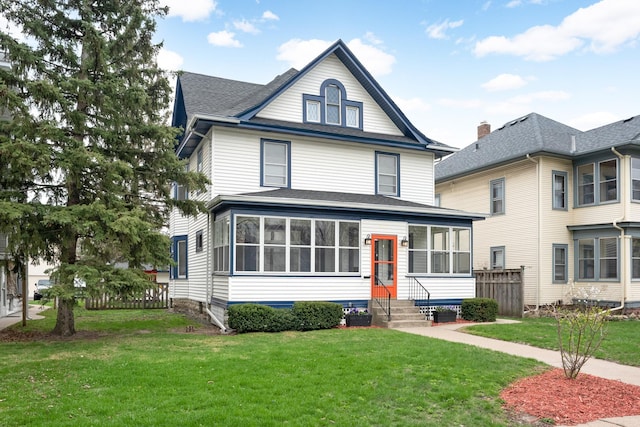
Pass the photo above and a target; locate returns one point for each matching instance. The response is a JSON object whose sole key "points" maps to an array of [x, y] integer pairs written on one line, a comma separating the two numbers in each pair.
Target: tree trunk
{"points": [[65, 322]]}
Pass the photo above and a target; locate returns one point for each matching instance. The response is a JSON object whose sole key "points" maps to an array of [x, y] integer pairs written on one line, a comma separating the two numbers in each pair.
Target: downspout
{"points": [[538, 227], [623, 237]]}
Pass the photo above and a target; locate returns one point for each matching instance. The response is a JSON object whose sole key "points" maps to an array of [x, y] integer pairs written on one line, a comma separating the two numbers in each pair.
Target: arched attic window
{"points": [[331, 106]]}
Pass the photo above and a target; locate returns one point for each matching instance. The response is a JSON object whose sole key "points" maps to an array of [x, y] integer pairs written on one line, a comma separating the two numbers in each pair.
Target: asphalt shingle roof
{"points": [[532, 134]]}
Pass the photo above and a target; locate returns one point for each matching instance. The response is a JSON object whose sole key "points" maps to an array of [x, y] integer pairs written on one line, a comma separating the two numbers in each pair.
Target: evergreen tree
{"points": [[87, 159]]}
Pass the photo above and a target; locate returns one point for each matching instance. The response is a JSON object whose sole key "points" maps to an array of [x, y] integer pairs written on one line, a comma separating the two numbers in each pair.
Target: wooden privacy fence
{"points": [[504, 286], [154, 297]]}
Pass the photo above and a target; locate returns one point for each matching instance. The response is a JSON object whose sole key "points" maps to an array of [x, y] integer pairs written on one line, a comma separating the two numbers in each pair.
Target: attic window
{"points": [[331, 106]]}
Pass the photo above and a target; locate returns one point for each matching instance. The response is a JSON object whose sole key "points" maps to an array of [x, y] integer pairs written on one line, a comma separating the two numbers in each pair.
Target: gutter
{"points": [[216, 321], [538, 227], [623, 237]]}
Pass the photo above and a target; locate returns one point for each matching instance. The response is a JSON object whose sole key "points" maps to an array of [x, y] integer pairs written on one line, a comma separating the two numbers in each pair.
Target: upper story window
{"points": [[181, 191], [332, 107], [605, 175], [199, 161], [388, 174], [275, 163], [497, 196], [635, 179], [559, 190]]}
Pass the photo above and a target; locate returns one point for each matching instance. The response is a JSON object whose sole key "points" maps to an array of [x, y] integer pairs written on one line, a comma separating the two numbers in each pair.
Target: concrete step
{"points": [[408, 324]]}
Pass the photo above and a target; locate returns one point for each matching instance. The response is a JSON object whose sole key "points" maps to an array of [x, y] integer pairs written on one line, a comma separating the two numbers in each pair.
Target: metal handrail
{"points": [[384, 301], [418, 293]]}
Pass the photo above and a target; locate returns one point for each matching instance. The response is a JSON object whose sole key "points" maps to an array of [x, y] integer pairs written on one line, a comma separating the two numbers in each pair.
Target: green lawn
{"points": [[140, 368], [620, 345]]}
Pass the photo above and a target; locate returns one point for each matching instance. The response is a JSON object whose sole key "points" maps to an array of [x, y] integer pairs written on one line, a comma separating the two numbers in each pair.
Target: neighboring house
{"points": [[319, 187], [563, 203]]}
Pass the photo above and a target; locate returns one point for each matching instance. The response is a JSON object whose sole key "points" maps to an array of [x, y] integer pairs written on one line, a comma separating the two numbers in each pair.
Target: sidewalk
{"points": [[14, 318], [600, 368]]}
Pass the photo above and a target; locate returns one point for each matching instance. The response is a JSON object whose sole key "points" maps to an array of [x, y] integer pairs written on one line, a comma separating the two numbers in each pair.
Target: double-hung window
{"points": [[560, 258], [221, 244], [497, 257], [276, 163], [332, 104], [559, 190], [597, 258], [586, 184], [179, 269], [497, 196], [635, 258], [635, 179], [388, 174], [608, 180]]}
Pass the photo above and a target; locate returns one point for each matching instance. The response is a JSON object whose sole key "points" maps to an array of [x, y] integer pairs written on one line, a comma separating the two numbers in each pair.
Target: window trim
{"points": [[199, 241], [344, 103], [565, 200], [495, 249], [175, 268], [564, 247], [378, 154], [287, 144], [492, 183]]}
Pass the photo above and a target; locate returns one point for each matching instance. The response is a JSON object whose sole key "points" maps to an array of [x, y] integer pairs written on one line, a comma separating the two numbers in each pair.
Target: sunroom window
{"points": [[439, 250]]}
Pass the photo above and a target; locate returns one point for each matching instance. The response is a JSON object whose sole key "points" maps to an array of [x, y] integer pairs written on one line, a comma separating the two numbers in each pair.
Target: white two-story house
{"points": [[562, 203], [321, 190]]}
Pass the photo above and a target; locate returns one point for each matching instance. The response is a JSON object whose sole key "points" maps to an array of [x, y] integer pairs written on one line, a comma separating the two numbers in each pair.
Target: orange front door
{"points": [[384, 268]]}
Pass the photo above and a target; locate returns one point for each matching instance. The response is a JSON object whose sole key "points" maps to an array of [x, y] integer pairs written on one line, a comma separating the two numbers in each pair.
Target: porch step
{"points": [[403, 315]]}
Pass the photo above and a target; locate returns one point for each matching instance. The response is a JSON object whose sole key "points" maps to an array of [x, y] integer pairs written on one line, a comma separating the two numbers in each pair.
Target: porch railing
{"points": [[418, 293], [382, 296]]}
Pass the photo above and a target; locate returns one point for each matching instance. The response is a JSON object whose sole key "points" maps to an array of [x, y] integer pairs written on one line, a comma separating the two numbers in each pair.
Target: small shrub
{"points": [[311, 315], [256, 318], [479, 309]]}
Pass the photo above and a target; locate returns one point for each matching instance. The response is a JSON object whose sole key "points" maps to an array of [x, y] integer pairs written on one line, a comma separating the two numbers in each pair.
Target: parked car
{"points": [[42, 287]]}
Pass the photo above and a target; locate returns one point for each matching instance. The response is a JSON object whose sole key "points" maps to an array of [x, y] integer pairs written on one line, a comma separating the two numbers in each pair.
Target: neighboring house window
{"points": [[312, 111], [199, 161], [179, 269], [597, 258], [276, 167], [635, 178], [181, 190], [497, 196], [221, 244], [497, 258], [331, 106], [199, 241], [559, 190], [387, 174], [439, 250], [560, 266], [291, 245], [436, 200], [586, 185], [635, 258], [608, 180]]}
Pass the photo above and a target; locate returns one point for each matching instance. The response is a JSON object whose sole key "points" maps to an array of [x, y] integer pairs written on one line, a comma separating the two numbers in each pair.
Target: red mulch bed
{"points": [[551, 396]]}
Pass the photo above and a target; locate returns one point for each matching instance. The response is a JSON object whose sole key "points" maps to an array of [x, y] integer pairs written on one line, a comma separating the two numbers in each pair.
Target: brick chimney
{"points": [[484, 129]]}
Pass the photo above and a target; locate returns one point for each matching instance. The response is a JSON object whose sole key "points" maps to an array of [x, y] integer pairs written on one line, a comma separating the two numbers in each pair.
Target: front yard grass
{"points": [[134, 367], [620, 345]]}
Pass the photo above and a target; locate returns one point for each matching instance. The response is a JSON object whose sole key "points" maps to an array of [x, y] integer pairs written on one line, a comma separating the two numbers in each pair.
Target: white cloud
{"points": [[513, 3], [168, 60], [299, 53], [223, 39], [372, 38], [191, 10], [437, 31], [605, 26], [592, 120], [246, 27], [270, 16], [504, 82]]}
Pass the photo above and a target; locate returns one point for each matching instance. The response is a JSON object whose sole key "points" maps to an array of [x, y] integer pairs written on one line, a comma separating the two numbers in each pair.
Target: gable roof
{"points": [[535, 134], [202, 101]]}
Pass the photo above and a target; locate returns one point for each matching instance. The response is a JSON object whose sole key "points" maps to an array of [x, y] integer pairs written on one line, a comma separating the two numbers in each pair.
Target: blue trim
{"points": [[288, 304], [451, 301], [287, 144], [174, 249], [314, 98], [397, 156], [357, 104]]}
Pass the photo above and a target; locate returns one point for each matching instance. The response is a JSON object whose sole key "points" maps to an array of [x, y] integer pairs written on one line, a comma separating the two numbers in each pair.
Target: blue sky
{"points": [[448, 64]]}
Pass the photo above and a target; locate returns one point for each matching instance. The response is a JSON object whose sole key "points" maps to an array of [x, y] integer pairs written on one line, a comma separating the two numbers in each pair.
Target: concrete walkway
{"points": [[14, 318], [599, 368]]}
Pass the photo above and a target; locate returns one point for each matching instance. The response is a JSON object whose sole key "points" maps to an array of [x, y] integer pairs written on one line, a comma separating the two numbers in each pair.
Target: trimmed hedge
{"points": [[304, 316], [479, 309]]}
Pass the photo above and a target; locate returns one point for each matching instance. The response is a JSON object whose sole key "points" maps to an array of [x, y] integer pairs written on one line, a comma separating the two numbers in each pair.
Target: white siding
{"points": [[288, 106], [316, 164], [279, 288], [449, 288]]}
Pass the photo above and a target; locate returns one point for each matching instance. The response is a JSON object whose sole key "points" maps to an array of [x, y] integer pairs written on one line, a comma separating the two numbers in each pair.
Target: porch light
{"points": [[404, 241], [367, 240]]}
